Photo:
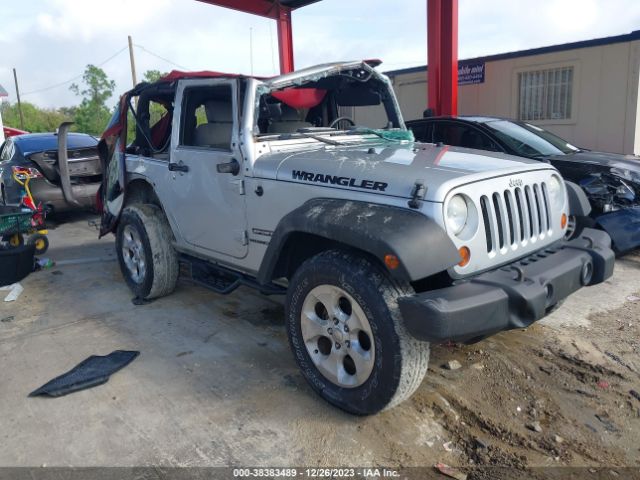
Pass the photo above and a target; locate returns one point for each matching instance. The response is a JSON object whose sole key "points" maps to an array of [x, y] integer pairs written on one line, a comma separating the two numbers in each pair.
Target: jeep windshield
{"points": [[337, 104]]}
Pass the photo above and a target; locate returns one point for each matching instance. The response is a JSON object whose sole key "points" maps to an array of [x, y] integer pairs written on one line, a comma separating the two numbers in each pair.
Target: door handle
{"points": [[232, 167], [178, 167]]}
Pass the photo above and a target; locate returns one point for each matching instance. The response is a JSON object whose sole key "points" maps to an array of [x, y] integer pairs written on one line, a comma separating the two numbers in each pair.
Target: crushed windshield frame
{"points": [[355, 72]]}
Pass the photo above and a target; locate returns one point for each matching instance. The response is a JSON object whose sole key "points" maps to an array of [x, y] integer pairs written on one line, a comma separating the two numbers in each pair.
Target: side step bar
{"points": [[220, 279]]}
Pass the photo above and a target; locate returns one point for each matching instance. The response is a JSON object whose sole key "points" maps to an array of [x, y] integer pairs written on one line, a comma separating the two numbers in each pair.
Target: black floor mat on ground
{"points": [[91, 372]]}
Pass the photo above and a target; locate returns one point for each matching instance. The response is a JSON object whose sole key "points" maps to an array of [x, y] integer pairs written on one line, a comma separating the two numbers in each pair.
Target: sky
{"points": [[50, 42]]}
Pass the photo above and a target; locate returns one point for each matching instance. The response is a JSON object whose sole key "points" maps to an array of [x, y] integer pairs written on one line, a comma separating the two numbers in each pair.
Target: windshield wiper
{"points": [[318, 137]]}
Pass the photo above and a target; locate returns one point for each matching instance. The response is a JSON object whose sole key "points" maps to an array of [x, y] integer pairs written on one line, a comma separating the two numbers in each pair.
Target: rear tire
{"points": [[148, 261], [334, 290]]}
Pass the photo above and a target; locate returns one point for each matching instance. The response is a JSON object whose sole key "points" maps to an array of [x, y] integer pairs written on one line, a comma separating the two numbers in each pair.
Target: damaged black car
{"points": [[611, 181]]}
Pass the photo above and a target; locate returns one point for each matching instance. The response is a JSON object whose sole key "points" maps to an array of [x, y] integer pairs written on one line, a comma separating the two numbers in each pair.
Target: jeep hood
{"points": [[391, 169]]}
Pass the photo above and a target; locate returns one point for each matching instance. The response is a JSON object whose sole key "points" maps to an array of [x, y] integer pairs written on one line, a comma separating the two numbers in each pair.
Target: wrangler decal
{"points": [[336, 180]]}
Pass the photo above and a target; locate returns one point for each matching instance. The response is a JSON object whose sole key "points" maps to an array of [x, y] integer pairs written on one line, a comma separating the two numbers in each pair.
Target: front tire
{"points": [[347, 335], [148, 261]]}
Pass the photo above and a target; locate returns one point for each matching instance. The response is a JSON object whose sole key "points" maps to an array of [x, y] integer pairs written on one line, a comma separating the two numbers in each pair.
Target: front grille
{"points": [[515, 216]]}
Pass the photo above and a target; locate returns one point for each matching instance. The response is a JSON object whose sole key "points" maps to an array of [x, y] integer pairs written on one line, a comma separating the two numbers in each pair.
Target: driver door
{"points": [[206, 197]]}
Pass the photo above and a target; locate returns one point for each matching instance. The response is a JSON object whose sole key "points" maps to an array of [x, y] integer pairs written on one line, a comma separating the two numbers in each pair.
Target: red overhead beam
{"points": [[278, 10], [264, 8], [442, 51]]}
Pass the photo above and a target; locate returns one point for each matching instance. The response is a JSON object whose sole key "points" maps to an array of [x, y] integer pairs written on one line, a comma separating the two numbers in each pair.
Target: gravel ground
{"points": [[215, 383]]}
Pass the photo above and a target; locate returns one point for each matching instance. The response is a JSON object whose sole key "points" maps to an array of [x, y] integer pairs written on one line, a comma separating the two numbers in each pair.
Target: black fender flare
{"points": [[578, 201], [420, 244]]}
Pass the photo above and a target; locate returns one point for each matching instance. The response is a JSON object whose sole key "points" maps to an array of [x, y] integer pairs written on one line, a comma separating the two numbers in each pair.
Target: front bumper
{"points": [[513, 296]]}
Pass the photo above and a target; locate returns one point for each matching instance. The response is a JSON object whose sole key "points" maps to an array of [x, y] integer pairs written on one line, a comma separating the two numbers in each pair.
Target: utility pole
{"points": [[15, 79], [133, 62]]}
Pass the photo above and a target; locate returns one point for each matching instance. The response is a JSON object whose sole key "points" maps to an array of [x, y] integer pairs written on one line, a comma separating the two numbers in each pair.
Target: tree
{"points": [[92, 115], [36, 119], [153, 75], [156, 111], [99, 87]]}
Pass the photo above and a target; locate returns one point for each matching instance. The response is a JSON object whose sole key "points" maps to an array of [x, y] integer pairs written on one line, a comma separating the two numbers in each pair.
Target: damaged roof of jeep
{"points": [[179, 74]]}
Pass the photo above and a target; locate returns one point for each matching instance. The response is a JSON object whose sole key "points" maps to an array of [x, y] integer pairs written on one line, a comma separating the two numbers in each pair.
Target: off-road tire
{"points": [[161, 269], [400, 361]]}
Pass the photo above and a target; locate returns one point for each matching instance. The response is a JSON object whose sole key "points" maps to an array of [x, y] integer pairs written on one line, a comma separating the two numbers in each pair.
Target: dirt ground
{"points": [[579, 384], [215, 383]]}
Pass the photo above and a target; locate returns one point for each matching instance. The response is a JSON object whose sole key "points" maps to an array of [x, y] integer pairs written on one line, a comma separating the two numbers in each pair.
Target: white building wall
{"points": [[605, 102]]}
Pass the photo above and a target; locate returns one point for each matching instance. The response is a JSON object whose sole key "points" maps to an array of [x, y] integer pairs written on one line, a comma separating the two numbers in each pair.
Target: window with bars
{"points": [[545, 94]]}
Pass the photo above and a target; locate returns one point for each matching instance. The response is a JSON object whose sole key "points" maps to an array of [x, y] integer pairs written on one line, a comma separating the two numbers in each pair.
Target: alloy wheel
{"points": [[337, 336]]}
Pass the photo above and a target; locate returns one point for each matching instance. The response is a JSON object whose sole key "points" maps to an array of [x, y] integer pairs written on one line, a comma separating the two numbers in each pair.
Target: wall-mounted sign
{"points": [[470, 73]]}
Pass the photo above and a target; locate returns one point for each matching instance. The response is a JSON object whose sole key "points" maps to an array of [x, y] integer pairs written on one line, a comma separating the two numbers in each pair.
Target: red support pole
{"points": [[434, 14], [285, 38], [449, 65], [442, 49]]}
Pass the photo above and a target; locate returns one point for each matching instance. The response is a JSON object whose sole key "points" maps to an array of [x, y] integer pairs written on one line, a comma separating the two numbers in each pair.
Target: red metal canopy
{"points": [[278, 10]]}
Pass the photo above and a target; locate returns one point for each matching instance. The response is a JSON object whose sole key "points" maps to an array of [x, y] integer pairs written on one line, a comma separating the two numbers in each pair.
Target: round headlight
{"points": [[457, 213], [555, 191]]}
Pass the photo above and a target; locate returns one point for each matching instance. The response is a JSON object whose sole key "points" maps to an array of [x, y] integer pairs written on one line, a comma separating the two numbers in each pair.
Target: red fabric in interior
{"points": [[159, 130], [300, 97]]}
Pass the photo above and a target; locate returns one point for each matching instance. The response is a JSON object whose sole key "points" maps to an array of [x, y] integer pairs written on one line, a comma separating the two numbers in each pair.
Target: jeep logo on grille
{"points": [[515, 182]]}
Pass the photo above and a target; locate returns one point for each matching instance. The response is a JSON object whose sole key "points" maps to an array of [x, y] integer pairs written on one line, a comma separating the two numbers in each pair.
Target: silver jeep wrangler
{"points": [[310, 186]]}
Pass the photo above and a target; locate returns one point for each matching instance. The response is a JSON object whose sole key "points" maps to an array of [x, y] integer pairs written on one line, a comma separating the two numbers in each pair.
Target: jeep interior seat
{"points": [[288, 122], [217, 131]]}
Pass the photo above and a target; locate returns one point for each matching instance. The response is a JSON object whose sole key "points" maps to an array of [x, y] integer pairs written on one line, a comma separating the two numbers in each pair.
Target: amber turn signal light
{"points": [[465, 255], [391, 261], [563, 221]]}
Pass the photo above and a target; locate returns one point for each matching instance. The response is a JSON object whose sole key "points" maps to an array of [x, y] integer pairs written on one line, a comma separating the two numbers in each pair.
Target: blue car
{"points": [[611, 181], [36, 156]]}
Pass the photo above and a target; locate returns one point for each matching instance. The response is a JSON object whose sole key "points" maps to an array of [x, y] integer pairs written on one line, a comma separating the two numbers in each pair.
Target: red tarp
{"points": [[300, 97]]}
